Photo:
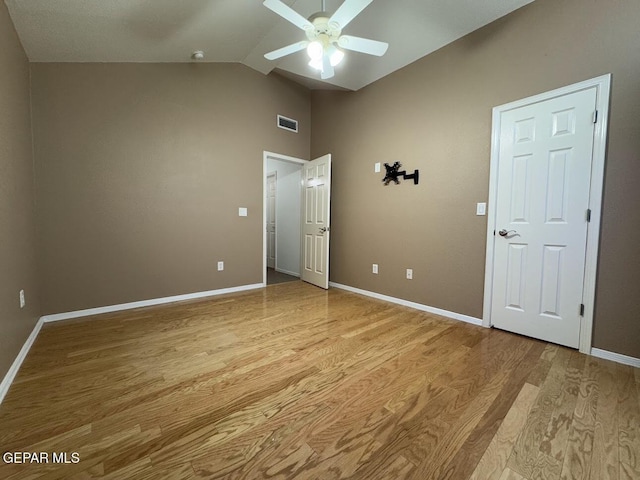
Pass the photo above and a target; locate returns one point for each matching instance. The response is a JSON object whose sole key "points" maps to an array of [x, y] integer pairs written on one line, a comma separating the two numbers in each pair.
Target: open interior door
{"points": [[315, 221]]}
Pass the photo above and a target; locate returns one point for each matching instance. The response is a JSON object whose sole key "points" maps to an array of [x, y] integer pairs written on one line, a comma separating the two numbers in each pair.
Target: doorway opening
{"points": [[282, 177]]}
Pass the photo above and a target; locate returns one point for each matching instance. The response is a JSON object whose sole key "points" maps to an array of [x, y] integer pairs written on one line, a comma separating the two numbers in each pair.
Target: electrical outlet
{"points": [[374, 269], [23, 302], [220, 266], [409, 274], [376, 167]]}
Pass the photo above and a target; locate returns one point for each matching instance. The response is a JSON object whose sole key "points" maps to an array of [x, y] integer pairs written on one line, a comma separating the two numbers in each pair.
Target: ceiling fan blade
{"points": [[288, 13], [363, 45], [348, 11], [327, 68], [288, 50]]}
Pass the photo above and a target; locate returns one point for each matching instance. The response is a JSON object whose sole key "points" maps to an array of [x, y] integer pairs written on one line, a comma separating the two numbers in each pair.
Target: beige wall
{"points": [[17, 226], [140, 170], [435, 115]]}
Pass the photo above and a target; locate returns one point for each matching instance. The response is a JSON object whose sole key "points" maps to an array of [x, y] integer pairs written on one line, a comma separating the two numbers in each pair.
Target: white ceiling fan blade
{"points": [[288, 50], [363, 45], [348, 11], [288, 13], [327, 68]]}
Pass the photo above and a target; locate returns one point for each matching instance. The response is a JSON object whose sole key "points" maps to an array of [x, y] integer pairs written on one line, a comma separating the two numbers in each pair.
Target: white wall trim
{"points": [[17, 363], [602, 85], [616, 357], [407, 303], [147, 303]]}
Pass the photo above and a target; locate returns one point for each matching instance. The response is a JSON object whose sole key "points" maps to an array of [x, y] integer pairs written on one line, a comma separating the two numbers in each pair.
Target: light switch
{"points": [[376, 168], [242, 212], [481, 209]]}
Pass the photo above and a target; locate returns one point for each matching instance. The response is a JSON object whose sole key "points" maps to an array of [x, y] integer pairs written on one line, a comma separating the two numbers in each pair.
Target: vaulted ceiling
{"points": [[241, 31]]}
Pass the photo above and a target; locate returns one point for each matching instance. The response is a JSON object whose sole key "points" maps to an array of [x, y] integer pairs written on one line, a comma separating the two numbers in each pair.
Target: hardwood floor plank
{"points": [[136, 469], [554, 443], [494, 460], [483, 386], [509, 474], [539, 374], [470, 452], [605, 458], [579, 450], [628, 423], [526, 457], [399, 468]]}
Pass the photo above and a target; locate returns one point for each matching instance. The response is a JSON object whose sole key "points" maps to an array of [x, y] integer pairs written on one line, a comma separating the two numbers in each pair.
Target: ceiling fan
{"points": [[324, 35]]}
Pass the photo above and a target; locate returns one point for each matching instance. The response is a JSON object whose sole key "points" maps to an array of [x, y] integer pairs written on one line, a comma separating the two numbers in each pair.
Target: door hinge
{"points": [[595, 116], [588, 214], [582, 309]]}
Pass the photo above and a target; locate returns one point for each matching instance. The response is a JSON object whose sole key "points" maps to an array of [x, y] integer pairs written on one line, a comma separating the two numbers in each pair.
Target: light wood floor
{"points": [[295, 382]]}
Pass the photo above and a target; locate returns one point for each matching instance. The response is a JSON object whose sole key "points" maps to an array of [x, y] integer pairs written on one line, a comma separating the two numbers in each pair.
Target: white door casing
{"points": [[271, 219], [316, 177], [546, 173]]}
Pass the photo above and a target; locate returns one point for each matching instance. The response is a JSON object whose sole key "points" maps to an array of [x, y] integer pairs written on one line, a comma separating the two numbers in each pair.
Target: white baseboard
{"points": [[147, 303], [616, 357], [293, 274], [13, 371], [17, 363], [407, 303]]}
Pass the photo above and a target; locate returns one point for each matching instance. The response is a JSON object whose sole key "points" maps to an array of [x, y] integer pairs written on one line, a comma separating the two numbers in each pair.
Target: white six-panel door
{"points": [[315, 221], [544, 174]]}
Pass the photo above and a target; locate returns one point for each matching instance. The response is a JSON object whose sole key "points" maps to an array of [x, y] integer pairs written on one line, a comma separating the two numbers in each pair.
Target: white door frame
{"points": [[265, 158], [603, 87], [273, 173]]}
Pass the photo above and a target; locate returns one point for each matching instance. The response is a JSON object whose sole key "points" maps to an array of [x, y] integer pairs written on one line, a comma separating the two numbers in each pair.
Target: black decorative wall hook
{"points": [[393, 174]]}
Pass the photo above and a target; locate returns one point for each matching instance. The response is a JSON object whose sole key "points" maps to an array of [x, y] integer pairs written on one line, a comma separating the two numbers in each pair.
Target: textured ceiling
{"points": [[241, 31]]}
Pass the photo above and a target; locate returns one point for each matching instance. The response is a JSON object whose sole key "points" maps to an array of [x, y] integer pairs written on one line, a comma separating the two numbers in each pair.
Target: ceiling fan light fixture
{"points": [[335, 55], [316, 63], [315, 51]]}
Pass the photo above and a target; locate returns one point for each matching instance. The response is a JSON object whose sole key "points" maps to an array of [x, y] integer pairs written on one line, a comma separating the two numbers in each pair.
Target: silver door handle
{"points": [[504, 233], [324, 229]]}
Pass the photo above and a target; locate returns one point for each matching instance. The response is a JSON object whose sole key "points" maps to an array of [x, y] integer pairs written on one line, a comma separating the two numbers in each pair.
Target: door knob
{"points": [[324, 229], [504, 233]]}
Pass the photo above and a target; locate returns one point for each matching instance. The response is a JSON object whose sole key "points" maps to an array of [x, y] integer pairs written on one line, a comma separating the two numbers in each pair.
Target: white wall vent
{"points": [[288, 123]]}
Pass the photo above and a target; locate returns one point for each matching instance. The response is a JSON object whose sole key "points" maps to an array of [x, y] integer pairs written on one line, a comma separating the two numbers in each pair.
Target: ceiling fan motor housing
{"points": [[323, 31]]}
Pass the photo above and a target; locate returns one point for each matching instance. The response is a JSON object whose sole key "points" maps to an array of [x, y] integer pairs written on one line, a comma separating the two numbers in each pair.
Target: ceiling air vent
{"points": [[288, 123]]}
